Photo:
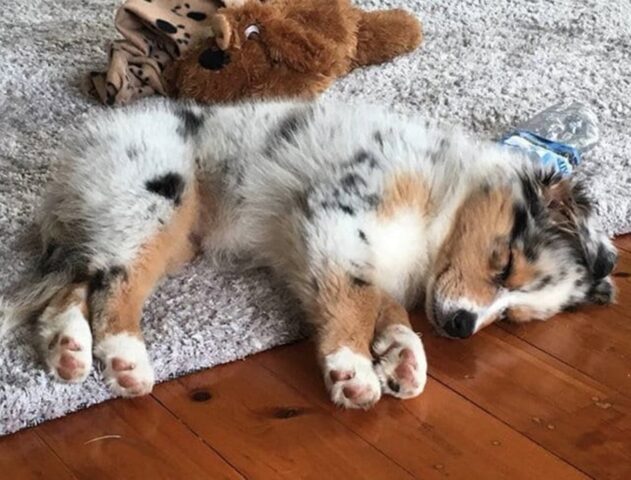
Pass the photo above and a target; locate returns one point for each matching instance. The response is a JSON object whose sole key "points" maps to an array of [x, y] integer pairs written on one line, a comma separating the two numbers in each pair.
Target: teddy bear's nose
{"points": [[214, 59]]}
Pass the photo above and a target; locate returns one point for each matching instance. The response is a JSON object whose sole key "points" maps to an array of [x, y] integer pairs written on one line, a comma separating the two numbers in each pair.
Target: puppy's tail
{"points": [[385, 34], [29, 298]]}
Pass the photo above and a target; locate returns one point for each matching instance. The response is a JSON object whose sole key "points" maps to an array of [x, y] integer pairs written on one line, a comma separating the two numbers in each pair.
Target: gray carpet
{"points": [[485, 65]]}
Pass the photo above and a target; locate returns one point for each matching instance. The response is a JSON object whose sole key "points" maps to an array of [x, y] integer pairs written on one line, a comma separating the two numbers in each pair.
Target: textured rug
{"points": [[485, 65]]}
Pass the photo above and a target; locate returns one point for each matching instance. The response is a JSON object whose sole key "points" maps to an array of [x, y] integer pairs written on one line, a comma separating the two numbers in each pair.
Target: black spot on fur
{"points": [[364, 157], [352, 181], [582, 201], [378, 137], [165, 26], [103, 279], [438, 155], [358, 282], [190, 122], [132, 152], [604, 263], [302, 201], [346, 209], [579, 283], [521, 222], [288, 127], [544, 282], [529, 189], [170, 185], [362, 237], [372, 200]]}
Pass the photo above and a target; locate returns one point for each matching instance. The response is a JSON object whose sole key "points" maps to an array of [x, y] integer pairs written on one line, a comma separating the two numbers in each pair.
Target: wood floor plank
{"points": [[624, 242], [268, 430], [594, 340], [132, 439], [24, 456], [436, 435], [577, 418]]}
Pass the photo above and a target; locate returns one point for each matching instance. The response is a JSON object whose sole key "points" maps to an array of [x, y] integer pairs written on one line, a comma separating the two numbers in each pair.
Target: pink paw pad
{"points": [[127, 381], [405, 371], [120, 365], [69, 367]]}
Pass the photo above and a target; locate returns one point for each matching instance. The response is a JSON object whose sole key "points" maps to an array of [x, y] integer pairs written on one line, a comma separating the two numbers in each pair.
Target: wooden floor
{"points": [[540, 401]]}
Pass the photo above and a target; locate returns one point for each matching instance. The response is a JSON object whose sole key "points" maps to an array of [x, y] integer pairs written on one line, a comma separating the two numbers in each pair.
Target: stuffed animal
{"points": [[288, 48]]}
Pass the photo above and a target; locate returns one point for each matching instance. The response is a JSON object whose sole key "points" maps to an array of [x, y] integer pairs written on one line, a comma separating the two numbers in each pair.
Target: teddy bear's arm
{"points": [[385, 34]]}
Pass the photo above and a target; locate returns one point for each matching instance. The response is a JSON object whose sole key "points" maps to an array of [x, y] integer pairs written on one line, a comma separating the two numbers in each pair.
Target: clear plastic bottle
{"points": [[557, 136]]}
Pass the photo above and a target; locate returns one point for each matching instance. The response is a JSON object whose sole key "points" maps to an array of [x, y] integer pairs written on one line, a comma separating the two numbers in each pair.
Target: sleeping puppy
{"points": [[363, 213]]}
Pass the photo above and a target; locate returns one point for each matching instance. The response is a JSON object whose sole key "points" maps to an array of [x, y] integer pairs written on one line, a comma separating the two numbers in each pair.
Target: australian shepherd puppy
{"points": [[362, 212]]}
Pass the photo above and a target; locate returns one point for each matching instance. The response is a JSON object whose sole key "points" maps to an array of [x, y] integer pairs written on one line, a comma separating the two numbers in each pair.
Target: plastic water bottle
{"points": [[557, 136]]}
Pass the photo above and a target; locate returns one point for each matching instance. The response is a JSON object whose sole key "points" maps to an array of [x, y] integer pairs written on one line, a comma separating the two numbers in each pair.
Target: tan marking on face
{"points": [[405, 190], [476, 248], [170, 248], [522, 273]]}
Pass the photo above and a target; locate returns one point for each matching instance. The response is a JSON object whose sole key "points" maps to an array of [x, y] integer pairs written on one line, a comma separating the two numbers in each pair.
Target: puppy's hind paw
{"points": [[67, 344]]}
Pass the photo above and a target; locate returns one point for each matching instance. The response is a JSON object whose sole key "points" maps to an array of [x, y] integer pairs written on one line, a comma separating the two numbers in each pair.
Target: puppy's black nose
{"points": [[213, 59], [460, 324]]}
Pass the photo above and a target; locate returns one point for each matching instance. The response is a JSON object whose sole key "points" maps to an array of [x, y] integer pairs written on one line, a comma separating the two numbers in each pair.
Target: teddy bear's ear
{"points": [[222, 30], [301, 49]]}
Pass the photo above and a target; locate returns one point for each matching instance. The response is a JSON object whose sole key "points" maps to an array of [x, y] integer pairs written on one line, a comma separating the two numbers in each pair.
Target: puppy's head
{"points": [[523, 250]]}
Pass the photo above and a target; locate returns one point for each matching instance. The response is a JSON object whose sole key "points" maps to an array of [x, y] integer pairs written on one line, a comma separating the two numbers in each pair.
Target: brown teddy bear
{"points": [[288, 48]]}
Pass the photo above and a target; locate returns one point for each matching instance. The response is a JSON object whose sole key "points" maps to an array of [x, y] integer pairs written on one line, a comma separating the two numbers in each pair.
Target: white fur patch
{"points": [[397, 345], [399, 253], [66, 340], [362, 378], [134, 381]]}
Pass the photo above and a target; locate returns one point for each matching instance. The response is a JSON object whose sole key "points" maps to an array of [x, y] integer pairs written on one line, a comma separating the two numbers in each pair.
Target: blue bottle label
{"points": [[562, 158]]}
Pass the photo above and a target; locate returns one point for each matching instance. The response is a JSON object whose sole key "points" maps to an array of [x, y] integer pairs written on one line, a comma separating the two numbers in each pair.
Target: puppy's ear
{"points": [[562, 198], [570, 207], [303, 50]]}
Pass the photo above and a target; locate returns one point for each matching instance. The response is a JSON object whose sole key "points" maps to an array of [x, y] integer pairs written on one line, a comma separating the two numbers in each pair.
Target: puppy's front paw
{"points": [[128, 371], [351, 380], [67, 344], [401, 365]]}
